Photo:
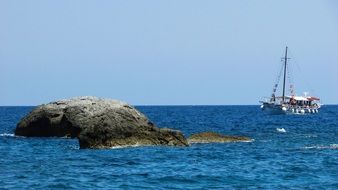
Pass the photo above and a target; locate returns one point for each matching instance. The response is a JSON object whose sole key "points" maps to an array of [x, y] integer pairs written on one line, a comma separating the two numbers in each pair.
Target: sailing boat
{"points": [[290, 104]]}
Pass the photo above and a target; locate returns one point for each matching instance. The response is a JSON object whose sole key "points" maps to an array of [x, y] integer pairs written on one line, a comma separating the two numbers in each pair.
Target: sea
{"points": [[287, 152]]}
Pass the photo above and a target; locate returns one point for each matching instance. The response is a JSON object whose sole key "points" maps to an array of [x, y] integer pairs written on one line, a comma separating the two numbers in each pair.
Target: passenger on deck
{"points": [[292, 101]]}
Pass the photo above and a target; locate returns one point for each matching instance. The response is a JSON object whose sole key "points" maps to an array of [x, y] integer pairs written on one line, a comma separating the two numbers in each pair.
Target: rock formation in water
{"points": [[97, 123], [211, 137]]}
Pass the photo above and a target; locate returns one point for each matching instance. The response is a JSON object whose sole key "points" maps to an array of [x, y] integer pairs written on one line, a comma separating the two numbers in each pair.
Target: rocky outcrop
{"points": [[97, 123], [211, 137]]}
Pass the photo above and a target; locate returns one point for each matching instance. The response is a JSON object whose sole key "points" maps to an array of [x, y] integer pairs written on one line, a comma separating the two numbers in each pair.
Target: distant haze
{"points": [[167, 52]]}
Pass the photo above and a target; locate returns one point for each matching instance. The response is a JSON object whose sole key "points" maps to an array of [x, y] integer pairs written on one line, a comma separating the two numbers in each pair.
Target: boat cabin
{"points": [[302, 101]]}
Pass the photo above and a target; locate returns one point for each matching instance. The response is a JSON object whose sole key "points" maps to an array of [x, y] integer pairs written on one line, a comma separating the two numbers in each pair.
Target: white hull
{"points": [[286, 109]]}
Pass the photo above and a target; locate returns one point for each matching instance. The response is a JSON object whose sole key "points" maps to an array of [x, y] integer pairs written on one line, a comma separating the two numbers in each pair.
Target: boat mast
{"points": [[285, 63]]}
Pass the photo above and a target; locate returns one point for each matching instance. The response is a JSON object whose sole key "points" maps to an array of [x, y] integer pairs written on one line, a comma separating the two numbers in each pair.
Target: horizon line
{"points": [[166, 105]]}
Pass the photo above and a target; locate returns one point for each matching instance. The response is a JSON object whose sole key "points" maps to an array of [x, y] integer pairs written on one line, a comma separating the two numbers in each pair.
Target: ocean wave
{"points": [[331, 146], [248, 141], [72, 147], [127, 146], [281, 130], [311, 136], [7, 135]]}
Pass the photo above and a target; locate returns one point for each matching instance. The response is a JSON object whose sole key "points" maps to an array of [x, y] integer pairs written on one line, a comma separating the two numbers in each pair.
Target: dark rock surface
{"points": [[97, 123], [212, 137]]}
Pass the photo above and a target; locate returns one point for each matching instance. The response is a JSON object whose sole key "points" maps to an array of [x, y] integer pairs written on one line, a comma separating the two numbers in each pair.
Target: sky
{"points": [[167, 52]]}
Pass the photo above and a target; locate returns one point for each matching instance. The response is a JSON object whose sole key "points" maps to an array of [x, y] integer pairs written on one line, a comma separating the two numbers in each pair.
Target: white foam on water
{"points": [[7, 135], [310, 136], [269, 140], [331, 146], [281, 130], [127, 146], [248, 141]]}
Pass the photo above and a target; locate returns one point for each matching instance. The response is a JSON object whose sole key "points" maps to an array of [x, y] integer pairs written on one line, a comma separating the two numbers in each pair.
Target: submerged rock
{"points": [[212, 137], [97, 123]]}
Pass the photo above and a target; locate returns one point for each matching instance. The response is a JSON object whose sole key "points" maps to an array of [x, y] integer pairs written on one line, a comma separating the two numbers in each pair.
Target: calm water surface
{"points": [[303, 157]]}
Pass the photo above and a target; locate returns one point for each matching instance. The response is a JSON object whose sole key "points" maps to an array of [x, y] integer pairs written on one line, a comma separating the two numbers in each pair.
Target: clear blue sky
{"points": [[165, 52]]}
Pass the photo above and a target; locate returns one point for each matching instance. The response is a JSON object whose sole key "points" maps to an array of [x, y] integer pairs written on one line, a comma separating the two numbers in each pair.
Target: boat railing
{"points": [[314, 106]]}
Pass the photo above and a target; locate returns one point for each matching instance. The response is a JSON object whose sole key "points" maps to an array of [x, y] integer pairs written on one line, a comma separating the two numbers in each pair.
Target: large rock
{"points": [[97, 123], [212, 137]]}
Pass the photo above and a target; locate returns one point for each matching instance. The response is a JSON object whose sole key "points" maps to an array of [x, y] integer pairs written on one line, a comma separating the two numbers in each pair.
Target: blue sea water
{"points": [[304, 156]]}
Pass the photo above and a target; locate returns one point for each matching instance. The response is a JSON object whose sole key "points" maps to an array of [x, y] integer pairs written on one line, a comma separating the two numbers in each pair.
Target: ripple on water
{"points": [[304, 157], [330, 146], [7, 135]]}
